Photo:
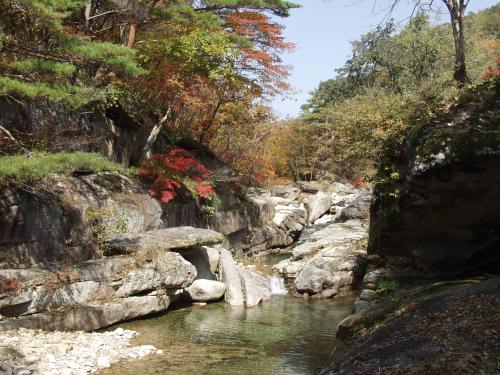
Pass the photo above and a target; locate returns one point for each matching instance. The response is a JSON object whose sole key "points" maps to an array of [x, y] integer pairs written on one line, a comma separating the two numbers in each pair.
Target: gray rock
{"points": [[205, 290], [255, 287], [357, 209], [444, 212], [311, 187], [54, 223], [373, 277], [228, 274], [213, 257], [33, 300], [329, 236], [317, 205], [336, 268], [288, 268], [166, 270], [368, 295], [199, 257], [91, 317], [160, 239], [26, 277]]}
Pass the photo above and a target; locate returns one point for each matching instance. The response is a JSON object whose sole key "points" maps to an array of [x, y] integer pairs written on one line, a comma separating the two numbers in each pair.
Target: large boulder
{"points": [[91, 317], [359, 208], [331, 235], [36, 291], [336, 269], [317, 205], [165, 270], [441, 208], [205, 290], [228, 274], [57, 220], [256, 287]]}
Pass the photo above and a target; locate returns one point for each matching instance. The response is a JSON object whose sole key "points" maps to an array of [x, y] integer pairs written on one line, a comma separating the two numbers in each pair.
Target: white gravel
{"points": [[28, 352]]}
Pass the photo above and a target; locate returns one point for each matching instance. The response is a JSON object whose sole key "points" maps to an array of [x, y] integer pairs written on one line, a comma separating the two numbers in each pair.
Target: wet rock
{"points": [[205, 290]]}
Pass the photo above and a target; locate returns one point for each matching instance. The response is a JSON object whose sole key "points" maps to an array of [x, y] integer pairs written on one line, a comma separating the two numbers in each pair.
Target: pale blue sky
{"points": [[323, 30]]}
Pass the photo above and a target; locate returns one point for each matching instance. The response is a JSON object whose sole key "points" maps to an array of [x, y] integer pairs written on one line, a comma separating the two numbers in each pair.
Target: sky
{"points": [[322, 31]]}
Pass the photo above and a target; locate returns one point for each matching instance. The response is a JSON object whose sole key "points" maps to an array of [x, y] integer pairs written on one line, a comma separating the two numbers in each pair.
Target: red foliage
{"points": [[268, 42], [169, 173], [492, 72], [8, 285]]}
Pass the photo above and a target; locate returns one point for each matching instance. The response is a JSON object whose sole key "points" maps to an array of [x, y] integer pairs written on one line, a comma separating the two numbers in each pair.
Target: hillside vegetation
{"points": [[395, 81]]}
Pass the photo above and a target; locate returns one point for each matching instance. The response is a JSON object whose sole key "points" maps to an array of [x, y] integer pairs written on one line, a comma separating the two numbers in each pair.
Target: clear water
{"points": [[284, 336]]}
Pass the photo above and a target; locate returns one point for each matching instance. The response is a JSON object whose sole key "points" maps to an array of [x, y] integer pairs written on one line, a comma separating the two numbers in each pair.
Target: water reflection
{"points": [[284, 336]]}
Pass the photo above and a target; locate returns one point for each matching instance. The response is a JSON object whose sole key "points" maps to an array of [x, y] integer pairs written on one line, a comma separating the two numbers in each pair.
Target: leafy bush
{"points": [[39, 165], [386, 286], [177, 173], [9, 284]]}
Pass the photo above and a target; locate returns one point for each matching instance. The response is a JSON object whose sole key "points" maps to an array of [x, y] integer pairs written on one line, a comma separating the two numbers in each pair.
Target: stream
{"points": [[284, 336]]}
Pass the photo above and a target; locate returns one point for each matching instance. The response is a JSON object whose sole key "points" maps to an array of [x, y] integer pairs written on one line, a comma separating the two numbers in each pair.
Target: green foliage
{"points": [[210, 205], [356, 124], [198, 52], [101, 222], [26, 66], [39, 165], [45, 55], [68, 94], [387, 286]]}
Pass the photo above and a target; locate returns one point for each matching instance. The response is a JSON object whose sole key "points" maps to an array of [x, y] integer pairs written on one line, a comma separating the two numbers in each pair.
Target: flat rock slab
{"points": [[91, 317], [160, 239]]}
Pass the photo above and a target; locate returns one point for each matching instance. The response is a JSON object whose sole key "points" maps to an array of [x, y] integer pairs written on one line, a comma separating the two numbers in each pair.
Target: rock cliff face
{"points": [[60, 219], [444, 212]]}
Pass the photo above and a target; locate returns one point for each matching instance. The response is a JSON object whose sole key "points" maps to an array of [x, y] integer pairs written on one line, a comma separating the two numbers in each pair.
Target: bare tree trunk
{"points": [[131, 35], [456, 9], [153, 136]]}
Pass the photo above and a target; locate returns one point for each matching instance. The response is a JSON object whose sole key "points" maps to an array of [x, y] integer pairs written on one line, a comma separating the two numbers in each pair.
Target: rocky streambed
{"points": [[143, 270]]}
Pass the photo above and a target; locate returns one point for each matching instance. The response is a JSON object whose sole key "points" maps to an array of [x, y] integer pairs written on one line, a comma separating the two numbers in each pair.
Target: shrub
{"points": [[177, 173], [9, 284], [387, 286]]}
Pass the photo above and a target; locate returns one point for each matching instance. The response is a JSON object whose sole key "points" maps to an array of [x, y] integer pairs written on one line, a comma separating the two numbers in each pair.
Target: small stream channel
{"points": [[284, 336]]}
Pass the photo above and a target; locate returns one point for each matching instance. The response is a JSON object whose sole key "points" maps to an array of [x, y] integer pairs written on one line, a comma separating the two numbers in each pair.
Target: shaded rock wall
{"points": [[444, 212]]}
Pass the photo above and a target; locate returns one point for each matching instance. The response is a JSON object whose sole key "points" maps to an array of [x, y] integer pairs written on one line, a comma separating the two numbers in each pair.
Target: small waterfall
{"points": [[277, 286]]}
